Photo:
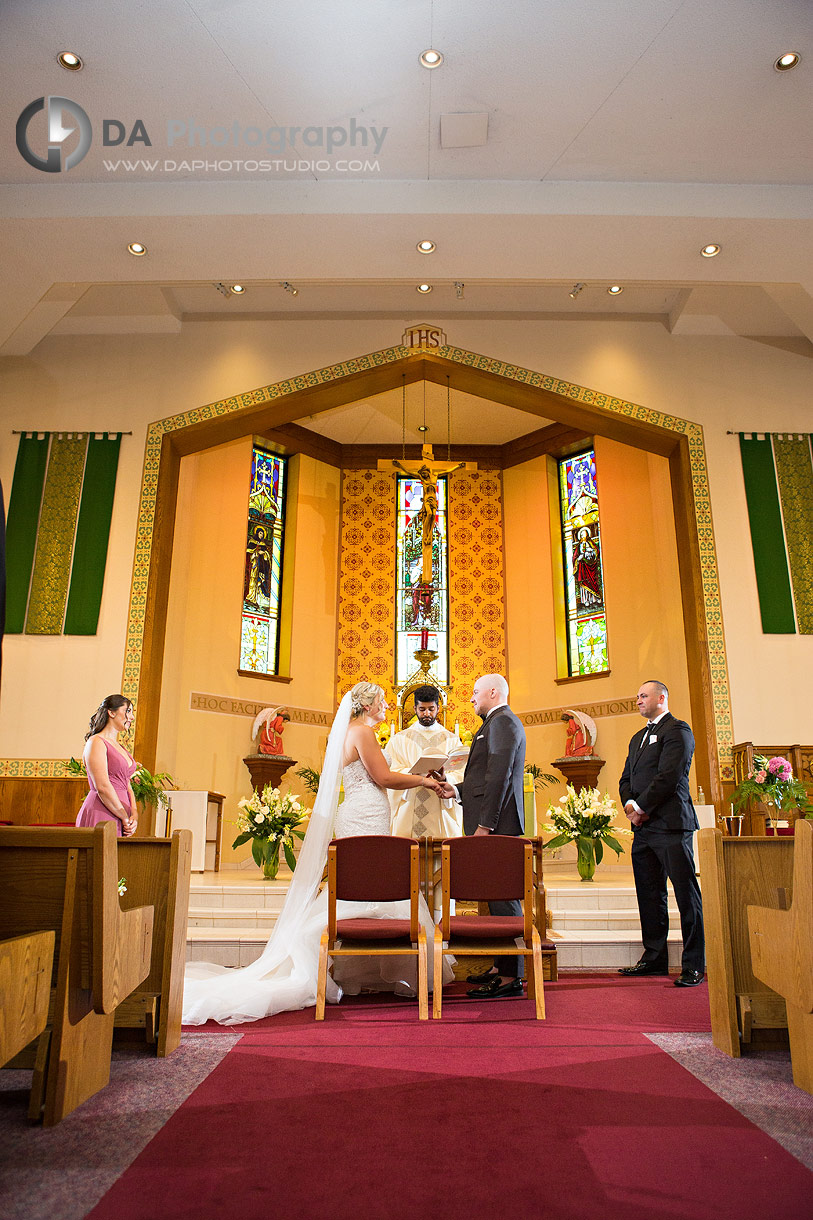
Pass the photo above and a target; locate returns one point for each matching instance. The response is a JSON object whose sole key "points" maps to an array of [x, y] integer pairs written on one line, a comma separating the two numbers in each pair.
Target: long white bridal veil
{"points": [[284, 976]]}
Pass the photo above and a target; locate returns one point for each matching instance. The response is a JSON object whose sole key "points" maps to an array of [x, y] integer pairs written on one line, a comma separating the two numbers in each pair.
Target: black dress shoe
{"points": [[479, 979], [642, 968], [690, 978], [495, 989]]}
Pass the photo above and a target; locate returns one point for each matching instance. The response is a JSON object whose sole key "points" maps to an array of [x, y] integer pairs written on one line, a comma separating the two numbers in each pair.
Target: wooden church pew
{"points": [[26, 963], [156, 873], [782, 955], [735, 872], [65, 881]]}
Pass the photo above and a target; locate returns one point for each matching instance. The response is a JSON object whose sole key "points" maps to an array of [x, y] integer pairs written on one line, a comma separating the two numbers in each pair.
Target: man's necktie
{"points": [[649, 727]]}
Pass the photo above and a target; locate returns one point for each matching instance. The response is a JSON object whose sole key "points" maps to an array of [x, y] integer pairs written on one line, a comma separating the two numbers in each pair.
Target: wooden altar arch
{"points": [[276, 408]]}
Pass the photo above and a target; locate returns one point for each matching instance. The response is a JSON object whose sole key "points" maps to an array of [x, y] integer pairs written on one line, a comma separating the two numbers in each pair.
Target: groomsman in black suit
{"points": [[655, 790], [493, 803]]}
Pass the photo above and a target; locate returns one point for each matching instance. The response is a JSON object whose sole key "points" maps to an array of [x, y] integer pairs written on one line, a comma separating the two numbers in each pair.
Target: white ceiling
{"points": [[380, 420], [622, 136]]}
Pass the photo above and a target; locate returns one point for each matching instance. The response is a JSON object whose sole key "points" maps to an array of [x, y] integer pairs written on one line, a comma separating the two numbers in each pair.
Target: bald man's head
{"points": [[489, 691]]}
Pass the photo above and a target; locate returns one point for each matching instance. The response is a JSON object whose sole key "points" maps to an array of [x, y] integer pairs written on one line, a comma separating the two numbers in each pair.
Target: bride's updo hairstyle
{"points": [[111, 703], [362, 697]]}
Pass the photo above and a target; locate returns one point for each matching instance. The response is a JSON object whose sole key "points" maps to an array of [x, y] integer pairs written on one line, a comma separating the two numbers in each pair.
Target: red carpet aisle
{"points": [[59, 1174], [375, 1117]]}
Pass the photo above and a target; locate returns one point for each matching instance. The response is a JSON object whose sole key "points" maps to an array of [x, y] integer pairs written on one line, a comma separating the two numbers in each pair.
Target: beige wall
{"points": [[642, 589], [50, 686], [205, 749]]}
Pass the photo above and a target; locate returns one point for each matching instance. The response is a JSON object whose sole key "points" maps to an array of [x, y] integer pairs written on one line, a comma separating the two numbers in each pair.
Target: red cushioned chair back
{"points": [[487, 867], [372, 868]]}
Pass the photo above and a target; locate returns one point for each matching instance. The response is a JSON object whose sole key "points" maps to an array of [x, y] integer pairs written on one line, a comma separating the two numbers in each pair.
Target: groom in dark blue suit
{"points": [[655, 791]]}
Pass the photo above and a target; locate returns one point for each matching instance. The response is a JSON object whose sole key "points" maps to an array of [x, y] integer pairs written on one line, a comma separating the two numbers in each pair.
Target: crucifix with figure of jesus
{"points": [[427, 475]]}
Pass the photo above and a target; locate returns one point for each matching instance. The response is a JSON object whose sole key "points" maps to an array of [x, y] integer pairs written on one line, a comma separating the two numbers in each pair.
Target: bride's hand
{"points": [[432, 785]]}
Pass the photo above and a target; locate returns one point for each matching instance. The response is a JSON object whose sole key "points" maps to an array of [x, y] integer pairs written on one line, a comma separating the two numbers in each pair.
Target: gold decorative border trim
{"points": [[500, 368], [36, 768]]}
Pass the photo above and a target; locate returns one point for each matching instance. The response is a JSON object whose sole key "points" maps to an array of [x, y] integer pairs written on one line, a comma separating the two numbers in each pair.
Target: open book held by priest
{"points": [[437, 762]]}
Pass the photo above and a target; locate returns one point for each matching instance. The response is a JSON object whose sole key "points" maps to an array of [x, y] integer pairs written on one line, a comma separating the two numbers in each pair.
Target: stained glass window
{"points": [[259, 637], [421, 613], [584, 577]]}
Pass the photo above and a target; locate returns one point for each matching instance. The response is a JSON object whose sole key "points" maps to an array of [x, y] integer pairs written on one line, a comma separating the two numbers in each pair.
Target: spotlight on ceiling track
{"points": [[459, 287], [431, 58], [289, 288], [575, 290], [787, 61], [70, 61]]}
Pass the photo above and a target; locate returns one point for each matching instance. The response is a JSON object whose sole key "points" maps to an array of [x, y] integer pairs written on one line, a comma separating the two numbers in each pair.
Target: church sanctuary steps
{"points": [[595, 925]]}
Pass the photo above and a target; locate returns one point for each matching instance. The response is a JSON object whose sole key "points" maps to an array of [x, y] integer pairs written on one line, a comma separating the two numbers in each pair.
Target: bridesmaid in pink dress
{"points": [[110, 769]]}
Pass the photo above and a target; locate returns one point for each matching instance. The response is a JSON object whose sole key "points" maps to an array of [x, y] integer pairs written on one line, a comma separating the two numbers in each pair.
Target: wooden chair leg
{"points": [[321, 978], [437, 981], [539, 983], [423, 976]]}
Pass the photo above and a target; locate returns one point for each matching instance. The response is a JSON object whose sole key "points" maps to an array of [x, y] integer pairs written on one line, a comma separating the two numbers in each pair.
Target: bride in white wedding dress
{"points": [[284, 977]]}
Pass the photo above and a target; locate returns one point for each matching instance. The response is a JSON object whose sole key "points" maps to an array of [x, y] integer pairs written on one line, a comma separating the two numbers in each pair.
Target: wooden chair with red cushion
{"points": [[373, 868], [489, 868]]}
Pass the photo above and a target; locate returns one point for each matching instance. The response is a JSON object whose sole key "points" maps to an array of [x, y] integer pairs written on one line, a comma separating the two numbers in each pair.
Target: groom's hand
{"points": [[439, 775], [446, 791], [482, 830]]}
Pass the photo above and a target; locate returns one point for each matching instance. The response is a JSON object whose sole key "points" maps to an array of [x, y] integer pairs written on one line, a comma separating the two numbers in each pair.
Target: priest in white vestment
{"points": [[417, 812]]}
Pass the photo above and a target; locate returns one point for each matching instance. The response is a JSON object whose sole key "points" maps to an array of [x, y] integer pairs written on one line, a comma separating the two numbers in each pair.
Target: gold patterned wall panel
{"points": [[366, 581], [366, 611], [476, 587]]}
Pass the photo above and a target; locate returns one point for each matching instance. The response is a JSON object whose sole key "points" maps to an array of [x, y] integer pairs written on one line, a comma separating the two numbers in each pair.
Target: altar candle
{"points": [[425, 638], [457, 728]]}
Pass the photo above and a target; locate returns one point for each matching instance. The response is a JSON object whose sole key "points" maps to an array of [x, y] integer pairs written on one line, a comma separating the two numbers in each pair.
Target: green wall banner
{"points": [[52, 561], [92, 536], [58, 531], [21, 525], [778, 474], [794, 467]]}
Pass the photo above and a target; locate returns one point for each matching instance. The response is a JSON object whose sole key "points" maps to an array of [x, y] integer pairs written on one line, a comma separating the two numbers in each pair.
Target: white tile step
{"points": [[623, 918]]}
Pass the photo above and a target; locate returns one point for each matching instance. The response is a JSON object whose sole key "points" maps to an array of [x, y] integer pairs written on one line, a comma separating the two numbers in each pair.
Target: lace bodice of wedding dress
{"points": [[365, 809]]}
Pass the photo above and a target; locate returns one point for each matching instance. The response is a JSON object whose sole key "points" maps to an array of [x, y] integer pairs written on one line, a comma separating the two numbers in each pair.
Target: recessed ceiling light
{"points": [[136, 248], [614, 290], [424, 287], [237, 289], [426, 247], [431, 59], [70, 61], [787, 61], [423, 427], [710, 250]]}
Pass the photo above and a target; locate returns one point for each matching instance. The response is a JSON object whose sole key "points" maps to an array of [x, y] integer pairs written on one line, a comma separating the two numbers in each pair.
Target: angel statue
{"points": [[581, 733], [272, 721]]}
